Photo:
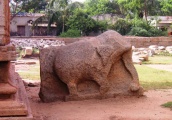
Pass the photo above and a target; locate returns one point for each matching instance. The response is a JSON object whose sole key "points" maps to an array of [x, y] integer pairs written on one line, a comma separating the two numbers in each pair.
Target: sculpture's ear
{"points": [[105, 51]]}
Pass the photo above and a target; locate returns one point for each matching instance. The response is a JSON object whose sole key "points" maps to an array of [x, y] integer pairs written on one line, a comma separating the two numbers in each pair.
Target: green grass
{"points": [[151, 78], [167, 105], [33, 72], [159, 60]]}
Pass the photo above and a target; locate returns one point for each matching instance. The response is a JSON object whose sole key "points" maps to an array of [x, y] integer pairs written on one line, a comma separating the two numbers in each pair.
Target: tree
{"points": [[83, 22], [59, 9], [166, 6], [33, 6], [132, 8], [95, 7], [153, 8]]}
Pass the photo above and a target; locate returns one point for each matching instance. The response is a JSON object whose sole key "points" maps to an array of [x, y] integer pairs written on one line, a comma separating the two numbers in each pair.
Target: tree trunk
{"points": [[145, 10]]}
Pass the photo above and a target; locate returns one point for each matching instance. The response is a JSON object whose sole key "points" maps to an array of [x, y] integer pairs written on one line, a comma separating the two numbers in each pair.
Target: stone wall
{"points": [[135, 41], [147, 41]]}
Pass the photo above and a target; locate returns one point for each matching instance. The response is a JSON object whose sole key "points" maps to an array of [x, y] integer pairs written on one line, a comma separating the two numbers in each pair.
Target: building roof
{"points": [[161, 19], [24, 14]]}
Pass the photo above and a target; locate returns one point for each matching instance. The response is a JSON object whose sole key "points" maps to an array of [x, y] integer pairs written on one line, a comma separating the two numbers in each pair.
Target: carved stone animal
{"points": [[90, 60]]}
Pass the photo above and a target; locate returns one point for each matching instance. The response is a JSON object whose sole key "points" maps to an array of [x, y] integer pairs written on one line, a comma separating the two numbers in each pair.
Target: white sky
{"points": [[78, 0]]}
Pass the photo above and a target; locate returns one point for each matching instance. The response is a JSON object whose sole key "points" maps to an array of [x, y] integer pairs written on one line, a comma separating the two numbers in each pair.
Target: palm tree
{"points": [[58, 10]]}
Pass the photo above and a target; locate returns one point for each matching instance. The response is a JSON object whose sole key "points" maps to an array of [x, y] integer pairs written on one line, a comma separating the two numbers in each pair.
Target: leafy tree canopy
{"points": [[27, 6], [95, 7], [166, 6]]}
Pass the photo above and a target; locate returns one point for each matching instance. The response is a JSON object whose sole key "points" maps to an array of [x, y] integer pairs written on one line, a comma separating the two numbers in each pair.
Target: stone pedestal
{"points": [[12, 99]]}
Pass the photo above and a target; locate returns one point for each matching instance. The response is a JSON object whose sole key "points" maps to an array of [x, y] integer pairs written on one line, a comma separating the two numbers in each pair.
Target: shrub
{"points": [[156, 32], [140, 23], [122, 26], [71, 33], [138, 31], [82, 21]]}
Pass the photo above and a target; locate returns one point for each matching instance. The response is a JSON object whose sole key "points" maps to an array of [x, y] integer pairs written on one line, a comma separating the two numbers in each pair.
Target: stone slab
{"points": [[15, 108]]}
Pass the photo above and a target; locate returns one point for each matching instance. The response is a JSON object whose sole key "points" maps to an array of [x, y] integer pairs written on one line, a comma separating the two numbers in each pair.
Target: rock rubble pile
{"points": [[143, 54], [22, 43]]}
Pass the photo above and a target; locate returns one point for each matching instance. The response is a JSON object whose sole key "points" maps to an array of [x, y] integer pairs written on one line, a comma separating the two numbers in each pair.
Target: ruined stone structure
{"points": [[11, 101], [100, 67]]}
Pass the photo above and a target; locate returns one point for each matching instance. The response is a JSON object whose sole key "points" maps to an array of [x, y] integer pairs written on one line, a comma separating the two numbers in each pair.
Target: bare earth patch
{"points": [[147, 107]]}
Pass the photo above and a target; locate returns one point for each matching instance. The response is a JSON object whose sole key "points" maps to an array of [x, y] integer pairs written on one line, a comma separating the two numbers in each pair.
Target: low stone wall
{"points": [[135, 41], [147, 41]]}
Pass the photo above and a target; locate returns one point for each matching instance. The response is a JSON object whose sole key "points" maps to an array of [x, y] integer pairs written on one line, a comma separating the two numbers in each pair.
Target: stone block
{"points": [[28, 51]]}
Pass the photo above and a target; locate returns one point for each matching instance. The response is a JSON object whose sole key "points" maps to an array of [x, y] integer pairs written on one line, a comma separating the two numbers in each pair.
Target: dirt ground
{"points": [[147, 107]]}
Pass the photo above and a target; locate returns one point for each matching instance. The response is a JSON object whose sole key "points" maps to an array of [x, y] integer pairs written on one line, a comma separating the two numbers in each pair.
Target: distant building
{"points": [[21, 25], [161, 22]]}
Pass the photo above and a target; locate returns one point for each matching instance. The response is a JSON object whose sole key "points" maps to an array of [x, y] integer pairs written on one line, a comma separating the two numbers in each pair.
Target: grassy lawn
{"points": [[159, 60], [33, 72], [151, 78]]}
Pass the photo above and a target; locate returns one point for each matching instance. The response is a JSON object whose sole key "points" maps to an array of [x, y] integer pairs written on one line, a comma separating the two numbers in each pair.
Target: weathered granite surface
{"points": [[100, 67]]}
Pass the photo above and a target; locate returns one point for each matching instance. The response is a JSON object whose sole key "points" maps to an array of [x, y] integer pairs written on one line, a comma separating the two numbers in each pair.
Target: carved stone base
{"points": [[12, 108], [15, 107], [6, 88], [7, 53]]}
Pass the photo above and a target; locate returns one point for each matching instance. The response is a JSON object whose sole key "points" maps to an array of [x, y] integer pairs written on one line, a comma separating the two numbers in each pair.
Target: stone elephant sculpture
{"points": [[93, 59]]}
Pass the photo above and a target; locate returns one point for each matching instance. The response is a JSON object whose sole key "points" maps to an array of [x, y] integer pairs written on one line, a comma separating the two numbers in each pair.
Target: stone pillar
{"points": [[7, 52], [10, 103]]}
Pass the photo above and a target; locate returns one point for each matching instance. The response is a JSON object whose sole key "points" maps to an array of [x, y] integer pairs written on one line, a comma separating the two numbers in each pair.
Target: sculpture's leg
{"points": [[72, 89], [104, 85], [127, 59]]}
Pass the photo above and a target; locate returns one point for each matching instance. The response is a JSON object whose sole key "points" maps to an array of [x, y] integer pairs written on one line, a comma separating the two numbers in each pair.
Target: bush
{"points": [[140, 23], [156, 32], [122, 26], [143, 28], [101, 26], [71, 33], [138, 31], [82, 21]]}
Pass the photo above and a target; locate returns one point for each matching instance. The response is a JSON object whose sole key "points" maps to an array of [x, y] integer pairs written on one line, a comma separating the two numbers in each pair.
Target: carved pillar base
{"points": [[13, 99], [14, 108]]}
